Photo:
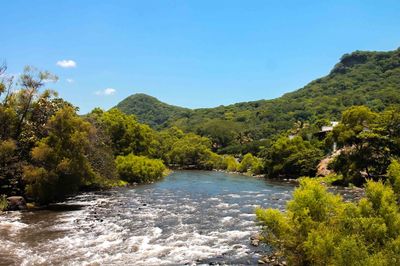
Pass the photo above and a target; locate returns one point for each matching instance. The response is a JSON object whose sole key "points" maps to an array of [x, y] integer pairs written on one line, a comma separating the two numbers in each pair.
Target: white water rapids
{"points": [[190, 217]]}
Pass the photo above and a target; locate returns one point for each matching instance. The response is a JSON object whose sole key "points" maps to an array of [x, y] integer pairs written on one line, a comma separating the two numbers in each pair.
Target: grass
{"points": [[329, 179], [3, 202]]}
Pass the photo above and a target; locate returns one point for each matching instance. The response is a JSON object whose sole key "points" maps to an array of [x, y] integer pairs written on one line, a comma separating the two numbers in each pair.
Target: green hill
{"points": [[360, 78], [150, 110]]}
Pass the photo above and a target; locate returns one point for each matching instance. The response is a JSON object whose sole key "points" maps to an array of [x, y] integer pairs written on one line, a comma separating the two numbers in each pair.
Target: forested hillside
{"points": [[360, 78], [150, 110]]}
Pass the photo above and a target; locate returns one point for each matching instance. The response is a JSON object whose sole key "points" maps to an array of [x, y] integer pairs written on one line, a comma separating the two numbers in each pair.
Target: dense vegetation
{"points": [[360, 78], [319, 228], [368, 140], [149, 110], [48, 151], [291, 158]]}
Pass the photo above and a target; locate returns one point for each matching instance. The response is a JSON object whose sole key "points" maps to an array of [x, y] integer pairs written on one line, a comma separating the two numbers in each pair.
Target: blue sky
{"points": [[189, 53]]}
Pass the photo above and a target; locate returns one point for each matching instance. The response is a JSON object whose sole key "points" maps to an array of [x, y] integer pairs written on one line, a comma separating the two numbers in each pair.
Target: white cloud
{"points": [[66, 63], [108, 91], [70, 80]]}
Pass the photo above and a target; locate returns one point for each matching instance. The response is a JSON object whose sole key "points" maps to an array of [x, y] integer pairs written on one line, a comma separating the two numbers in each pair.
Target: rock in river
{"points": [[16, 203]]}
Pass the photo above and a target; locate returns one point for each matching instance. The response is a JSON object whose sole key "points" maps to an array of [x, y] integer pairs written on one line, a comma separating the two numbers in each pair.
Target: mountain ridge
{"points": [[359, 78]]}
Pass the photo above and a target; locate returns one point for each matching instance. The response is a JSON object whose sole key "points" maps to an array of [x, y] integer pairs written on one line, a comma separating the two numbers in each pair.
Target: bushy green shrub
{"points": [[250, 164], [191, 151], [230, 163], [291, 158], [139, 169], [212, 161], [393, 174], [319, 228]]}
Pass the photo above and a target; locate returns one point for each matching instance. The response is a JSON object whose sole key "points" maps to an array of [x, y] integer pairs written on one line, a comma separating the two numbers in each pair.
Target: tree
{"points": [[60, 164], [139, 169], [31, 81], [167, 139], [291, 158], [221, 132], [355, 120], [190, 151], [367, 148], [231, 163], [389, 126], [250, 164], [127, 135], [100, 152], [10, 169], [23, 114]]}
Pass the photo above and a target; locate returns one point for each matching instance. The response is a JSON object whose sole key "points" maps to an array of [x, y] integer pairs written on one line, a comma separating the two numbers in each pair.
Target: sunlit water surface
{"points": [[190, 217]]}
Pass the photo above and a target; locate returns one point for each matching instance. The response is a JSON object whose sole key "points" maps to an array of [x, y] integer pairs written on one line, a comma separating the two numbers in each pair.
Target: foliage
{"points": [[393, 174], [3, 202], [360, 78], [100, 152], [60, 165], [250, 164], [23, 112], [231, 163], [319, 228], [367, 144], [149, 110], [167, 139], [10, 168], [190, 150], [46, 150], [127, 135], [221, 133], [355, 120], [291, 158], [139, 169], [212, 161]]}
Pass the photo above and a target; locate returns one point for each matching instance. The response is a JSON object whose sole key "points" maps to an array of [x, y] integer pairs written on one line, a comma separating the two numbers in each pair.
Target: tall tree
{"points": [[60, 164]]}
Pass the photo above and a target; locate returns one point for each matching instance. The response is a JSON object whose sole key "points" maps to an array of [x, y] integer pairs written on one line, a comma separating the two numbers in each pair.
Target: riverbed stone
{"points": [[255, 240], [16, 203]]}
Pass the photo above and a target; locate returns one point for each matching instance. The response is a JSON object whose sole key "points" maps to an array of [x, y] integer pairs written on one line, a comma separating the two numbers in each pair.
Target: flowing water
{"points": [[190, 217]]}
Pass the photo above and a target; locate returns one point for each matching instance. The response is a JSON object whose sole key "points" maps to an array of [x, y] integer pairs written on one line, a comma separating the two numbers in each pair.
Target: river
{"points": [[189, 217]]}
